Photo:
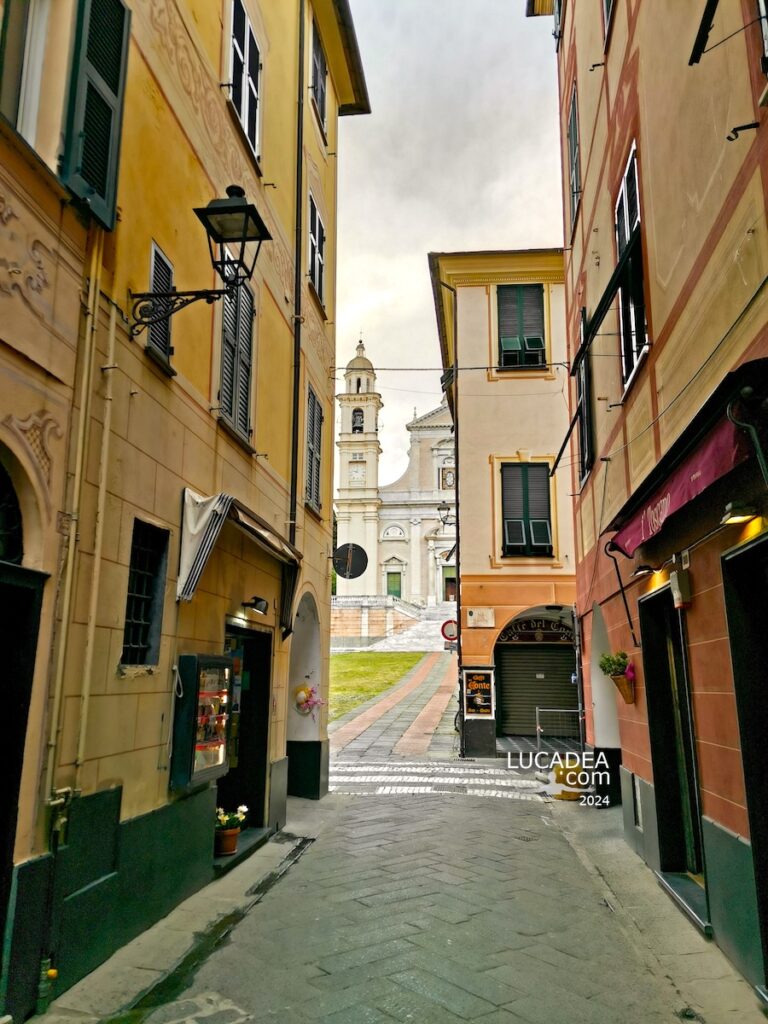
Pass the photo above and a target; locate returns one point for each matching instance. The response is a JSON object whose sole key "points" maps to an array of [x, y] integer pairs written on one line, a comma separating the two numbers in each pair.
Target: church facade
{"points": [[411, 551]]}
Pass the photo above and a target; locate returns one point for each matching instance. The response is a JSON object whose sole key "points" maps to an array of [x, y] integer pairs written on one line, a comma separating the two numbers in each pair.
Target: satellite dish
{"points": [[350, 561]]}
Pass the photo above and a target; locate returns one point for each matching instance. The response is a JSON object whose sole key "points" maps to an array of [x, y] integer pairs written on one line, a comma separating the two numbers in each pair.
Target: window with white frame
{"points": [[316, 249], [762, 14], [245, 75], [319, 76], [573, 156], [608, 6], [631, 301]]}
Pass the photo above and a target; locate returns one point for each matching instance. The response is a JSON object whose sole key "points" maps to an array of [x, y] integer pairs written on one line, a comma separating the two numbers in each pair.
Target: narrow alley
{"points": [[422, 889]]}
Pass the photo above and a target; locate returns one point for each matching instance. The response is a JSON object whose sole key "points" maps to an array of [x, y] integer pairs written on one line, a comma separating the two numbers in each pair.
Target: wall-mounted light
{"points": [[444, 510], [257, 604], [736, 512], [642, 570], [230, 224]]}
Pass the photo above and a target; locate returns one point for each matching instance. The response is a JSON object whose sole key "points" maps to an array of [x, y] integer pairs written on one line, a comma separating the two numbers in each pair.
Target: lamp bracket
{"points": [[155, 307]]}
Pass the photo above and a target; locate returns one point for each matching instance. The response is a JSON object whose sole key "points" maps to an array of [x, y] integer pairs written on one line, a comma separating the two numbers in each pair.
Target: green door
{"points": [[394, 584]]}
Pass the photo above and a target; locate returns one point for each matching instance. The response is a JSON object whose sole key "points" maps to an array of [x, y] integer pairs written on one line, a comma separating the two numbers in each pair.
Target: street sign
{"points": [[451, 645], [450, 629], [350, 561]]}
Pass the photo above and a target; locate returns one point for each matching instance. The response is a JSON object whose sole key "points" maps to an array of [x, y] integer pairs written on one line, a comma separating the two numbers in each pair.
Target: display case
{"points": [[201, 719]]}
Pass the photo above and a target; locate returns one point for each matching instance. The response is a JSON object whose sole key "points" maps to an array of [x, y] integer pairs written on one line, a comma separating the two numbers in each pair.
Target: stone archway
{"points": [[307, 743]]}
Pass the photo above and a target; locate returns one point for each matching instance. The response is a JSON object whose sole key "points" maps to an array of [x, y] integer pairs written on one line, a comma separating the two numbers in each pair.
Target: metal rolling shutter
{"points": [[520, 692]]}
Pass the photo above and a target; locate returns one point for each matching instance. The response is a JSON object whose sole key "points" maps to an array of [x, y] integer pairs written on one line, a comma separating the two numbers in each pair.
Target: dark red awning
{"points": [[722, 449]]}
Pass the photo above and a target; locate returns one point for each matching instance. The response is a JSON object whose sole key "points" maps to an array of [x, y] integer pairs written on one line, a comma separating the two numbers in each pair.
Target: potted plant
{"points": [[228, 825], [619, 668]]}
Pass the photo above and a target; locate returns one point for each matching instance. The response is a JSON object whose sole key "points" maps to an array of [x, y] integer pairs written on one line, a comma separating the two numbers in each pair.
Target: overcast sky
{"points": [[461, 152]]}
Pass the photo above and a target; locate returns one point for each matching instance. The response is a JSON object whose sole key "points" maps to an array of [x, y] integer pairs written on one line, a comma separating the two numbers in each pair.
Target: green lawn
{"points": [[358, 676]]}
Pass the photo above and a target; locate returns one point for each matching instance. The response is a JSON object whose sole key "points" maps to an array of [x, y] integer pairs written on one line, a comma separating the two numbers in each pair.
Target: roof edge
{"points": [[362, 103]]}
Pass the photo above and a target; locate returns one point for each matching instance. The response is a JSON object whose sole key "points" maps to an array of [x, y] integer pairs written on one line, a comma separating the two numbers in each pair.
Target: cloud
{"points": [[461, 152]]}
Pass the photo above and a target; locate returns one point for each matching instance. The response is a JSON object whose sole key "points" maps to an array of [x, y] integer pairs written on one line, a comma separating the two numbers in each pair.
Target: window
{"points": [[146, 587], [319, 76], [23, 26], [632, 326], [525, 509], [316, 249], [521, 326], [314, 449], [236, 360], [357, 456], [245, 71], [92, 142], [11, 534], [447, 478], [762, 13], [357, 421], [608, 6], [558, 29], [584, 406], [161, 280], [573, 156]]}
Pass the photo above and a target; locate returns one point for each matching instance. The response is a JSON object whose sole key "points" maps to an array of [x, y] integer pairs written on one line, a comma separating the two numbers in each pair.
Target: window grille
{"points": [[144, 603]]}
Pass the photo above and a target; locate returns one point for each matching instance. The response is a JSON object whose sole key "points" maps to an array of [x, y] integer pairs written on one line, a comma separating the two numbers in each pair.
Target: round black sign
{"points": [[350, 561]]}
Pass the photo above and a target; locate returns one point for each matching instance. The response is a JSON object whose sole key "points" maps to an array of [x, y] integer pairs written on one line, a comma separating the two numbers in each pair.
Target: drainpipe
{"points": [[299, 263], [86, 388], [98, 543]]}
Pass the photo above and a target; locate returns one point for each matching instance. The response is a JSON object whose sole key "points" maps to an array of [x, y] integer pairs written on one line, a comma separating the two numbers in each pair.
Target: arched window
{"points": [[359, 385], [357, 421], [11, 546], [394, 533]]}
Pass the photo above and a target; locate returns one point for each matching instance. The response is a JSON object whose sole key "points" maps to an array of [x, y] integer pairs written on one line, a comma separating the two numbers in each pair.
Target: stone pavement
{"points": [[436, 906]]}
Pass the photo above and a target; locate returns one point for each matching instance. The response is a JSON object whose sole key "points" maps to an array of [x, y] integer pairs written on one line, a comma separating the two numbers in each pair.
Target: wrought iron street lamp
{"points": [[445, 511], [230, 225]]}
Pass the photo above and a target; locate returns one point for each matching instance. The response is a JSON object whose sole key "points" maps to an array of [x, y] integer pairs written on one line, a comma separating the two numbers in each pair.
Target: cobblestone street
{"points": [[433, 890]]}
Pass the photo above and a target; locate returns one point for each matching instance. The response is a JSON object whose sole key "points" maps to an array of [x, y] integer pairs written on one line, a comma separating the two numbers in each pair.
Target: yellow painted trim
{"points": [[498, 561]]}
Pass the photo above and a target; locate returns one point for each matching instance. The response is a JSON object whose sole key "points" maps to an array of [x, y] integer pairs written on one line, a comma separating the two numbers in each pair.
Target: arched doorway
{"points": [[536, 668], [21, 592], [307, 748]]}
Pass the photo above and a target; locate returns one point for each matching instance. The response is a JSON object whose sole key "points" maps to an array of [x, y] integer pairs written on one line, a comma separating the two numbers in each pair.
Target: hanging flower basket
{"points": [[621, 671], [306, 700]]}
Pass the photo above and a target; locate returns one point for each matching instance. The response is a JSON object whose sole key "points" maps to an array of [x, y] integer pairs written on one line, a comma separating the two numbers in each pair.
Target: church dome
{"points": [[360, 362]]}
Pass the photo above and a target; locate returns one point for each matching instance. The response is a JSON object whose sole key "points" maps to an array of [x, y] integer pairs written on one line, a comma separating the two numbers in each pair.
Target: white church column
{"points": [[414, 577], [431, 565], [371, 545]]}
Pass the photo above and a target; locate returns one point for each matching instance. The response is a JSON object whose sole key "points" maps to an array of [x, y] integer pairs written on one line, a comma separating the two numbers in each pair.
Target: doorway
{"points": [[745, 574], [449, 588], [248, 748], [394, 584], [670, 725], [21, 592]]}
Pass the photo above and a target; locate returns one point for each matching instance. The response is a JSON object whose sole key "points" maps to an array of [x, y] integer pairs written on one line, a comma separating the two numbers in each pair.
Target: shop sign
{"points": [[479, 695], [536, 631]]}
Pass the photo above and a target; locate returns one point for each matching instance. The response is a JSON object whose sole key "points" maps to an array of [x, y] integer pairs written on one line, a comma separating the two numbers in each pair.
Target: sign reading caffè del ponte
{"points": [[536, 631]]}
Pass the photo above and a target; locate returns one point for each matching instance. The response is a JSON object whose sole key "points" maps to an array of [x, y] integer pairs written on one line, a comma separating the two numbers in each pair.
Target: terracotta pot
{"points": [[226, 841], [626, 688]]}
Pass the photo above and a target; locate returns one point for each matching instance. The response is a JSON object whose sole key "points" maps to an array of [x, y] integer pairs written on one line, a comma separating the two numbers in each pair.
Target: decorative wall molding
{"points": [[34, 434], [23, 260]]}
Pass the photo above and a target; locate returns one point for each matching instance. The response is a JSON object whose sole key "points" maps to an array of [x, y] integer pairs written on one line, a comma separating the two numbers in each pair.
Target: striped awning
{"points": [[202, 522]]}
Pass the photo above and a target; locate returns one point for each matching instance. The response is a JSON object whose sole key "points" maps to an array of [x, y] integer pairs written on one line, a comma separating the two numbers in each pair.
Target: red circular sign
{"points": [[450, 629]]}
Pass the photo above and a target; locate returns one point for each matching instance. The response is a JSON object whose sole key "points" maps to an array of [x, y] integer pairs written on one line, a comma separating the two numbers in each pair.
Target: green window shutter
{"points": [[314, 448], [228, 357], [244, 360], [525, 509], [520, 309], [97, 89]]}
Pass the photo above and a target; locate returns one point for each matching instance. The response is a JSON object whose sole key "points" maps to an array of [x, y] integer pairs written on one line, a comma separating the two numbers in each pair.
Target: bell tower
{"points": [[357, 504]]}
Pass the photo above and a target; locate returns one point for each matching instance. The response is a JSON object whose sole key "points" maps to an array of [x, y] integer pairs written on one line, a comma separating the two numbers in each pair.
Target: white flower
{"points": [[242, 809]]}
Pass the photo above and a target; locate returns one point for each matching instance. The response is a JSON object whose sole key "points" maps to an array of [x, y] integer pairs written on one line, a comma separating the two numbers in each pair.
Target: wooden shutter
{"points": [[509, 326], [238, 58], [319, 73], [159, 334], [573, 155], [94, 120], [314, 448], [525, 509], [244, 361], [228, 357], [251, 128]]}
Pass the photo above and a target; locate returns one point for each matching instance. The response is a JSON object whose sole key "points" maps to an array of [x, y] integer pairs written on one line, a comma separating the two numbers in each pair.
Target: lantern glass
{"points": [[229, 224]]}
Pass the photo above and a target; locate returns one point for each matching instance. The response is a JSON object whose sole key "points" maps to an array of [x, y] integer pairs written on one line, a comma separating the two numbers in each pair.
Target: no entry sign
{"points": [[450, 629]]}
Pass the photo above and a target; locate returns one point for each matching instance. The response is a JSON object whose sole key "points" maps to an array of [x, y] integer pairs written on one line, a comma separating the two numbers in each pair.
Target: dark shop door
{"points": [[248, 752]]}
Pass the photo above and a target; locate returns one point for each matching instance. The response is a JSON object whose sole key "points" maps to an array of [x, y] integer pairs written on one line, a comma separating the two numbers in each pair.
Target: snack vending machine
{"points": [[202, 716]]}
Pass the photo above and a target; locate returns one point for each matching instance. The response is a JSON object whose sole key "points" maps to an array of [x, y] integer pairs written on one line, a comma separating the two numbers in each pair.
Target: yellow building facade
{"points": [[501, 323], [166, 487]]}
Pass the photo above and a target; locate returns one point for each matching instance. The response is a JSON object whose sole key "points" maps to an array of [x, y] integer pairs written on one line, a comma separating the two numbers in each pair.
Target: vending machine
{"points": [[202, 719]]}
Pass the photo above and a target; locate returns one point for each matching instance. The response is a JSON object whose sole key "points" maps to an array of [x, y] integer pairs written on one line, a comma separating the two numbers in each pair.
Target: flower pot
{"points": [[626, 688], [226, 841]]}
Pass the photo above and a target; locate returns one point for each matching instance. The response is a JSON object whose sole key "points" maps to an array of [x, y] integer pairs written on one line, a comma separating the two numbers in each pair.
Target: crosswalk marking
{"points": [[406, 778]]}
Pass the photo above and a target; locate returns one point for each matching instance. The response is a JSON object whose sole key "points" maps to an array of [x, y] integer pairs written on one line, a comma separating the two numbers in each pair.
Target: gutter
{"points": [[361, 104], [297, 282]]}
